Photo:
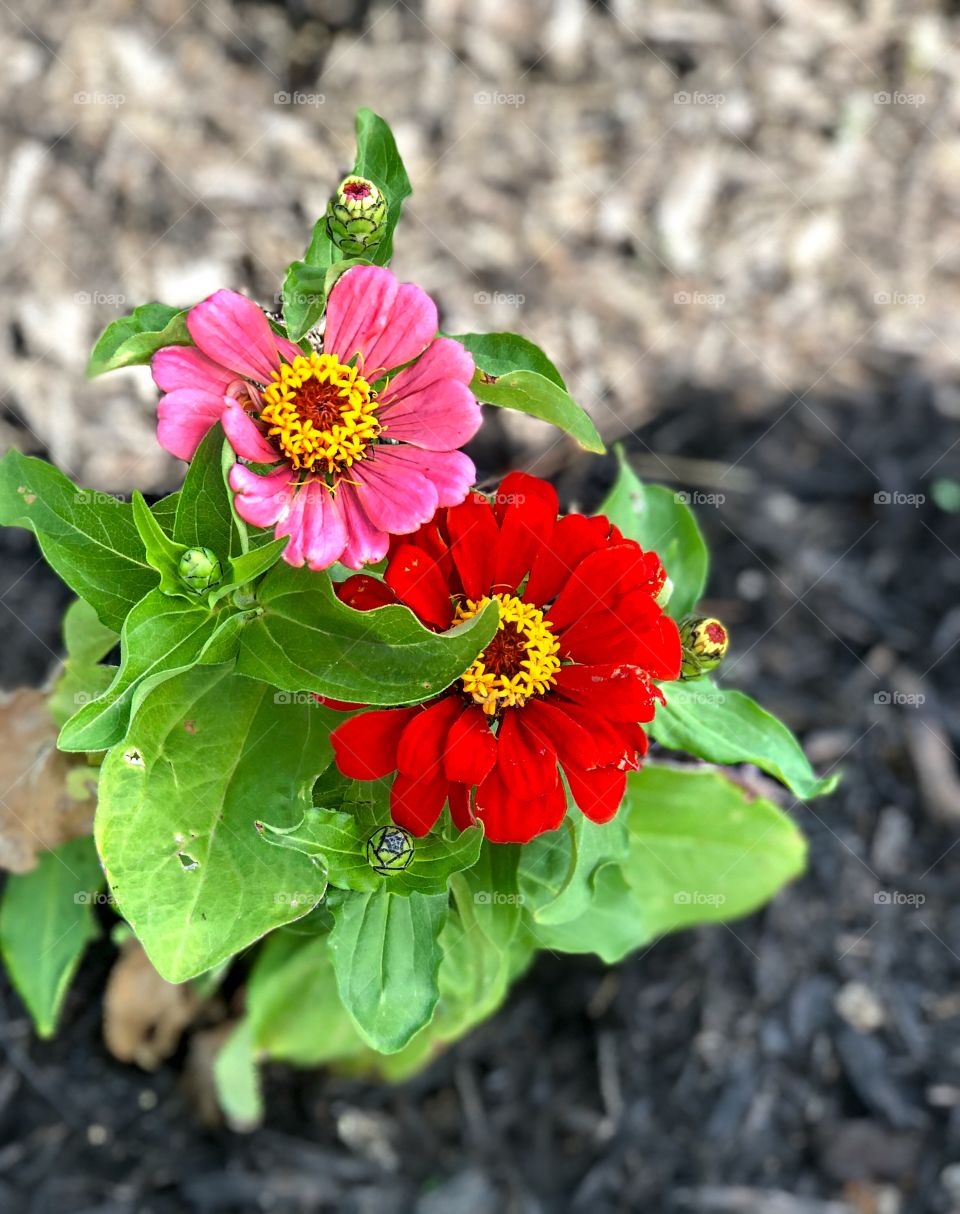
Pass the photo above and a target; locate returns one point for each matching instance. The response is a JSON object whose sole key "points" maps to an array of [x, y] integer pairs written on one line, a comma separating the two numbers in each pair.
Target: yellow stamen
{"points": [[521, 660], [321, 412]]}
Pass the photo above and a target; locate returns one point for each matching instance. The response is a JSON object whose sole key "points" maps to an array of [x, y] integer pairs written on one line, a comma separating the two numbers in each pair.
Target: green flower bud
{"points": [[705, 642], [389, 849], [200, 569], [356, 217]]}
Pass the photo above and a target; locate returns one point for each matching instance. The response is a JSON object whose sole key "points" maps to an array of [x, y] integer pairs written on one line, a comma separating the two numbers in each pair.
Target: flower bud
{"points": [[200, 569], [705, 642], [389, 849], [663, 598], [356, 217]]}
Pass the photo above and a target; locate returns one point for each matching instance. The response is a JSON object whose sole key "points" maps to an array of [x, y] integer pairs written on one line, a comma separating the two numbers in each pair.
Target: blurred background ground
{"points": [[736, 228]]}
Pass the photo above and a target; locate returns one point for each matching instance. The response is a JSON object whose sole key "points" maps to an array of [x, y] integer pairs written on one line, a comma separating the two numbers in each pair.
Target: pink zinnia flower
{"points": [[356, 454]]}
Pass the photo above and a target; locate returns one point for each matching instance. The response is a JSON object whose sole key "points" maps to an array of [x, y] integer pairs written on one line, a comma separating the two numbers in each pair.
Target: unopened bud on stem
{"points": [[356, 217], [200, 569], [705, 642]]}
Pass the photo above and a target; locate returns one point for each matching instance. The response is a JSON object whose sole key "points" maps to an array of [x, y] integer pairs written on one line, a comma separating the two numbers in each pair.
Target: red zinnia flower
{"points": [[565, 681]]}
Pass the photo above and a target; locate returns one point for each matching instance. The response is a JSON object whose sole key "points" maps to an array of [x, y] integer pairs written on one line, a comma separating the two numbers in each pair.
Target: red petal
{"points": [[597, 793], [573, 539], [417, 802], [460, 808], [610, 745], [473, 536], [471, 748], [421, 748], [592, 585], [508, 820], [363, 592], [527, 510], [418, 582], [568, 737], [661, 651], [365, 747], [619, 691], [526, 761]]}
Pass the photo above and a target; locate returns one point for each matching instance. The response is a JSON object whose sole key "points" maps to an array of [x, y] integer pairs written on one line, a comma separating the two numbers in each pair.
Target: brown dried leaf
{"points": [[41, 805], [143, 1015]]}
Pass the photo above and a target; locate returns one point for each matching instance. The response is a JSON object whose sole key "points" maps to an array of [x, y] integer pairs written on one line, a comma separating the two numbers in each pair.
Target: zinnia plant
{"points": [[379, 734]]}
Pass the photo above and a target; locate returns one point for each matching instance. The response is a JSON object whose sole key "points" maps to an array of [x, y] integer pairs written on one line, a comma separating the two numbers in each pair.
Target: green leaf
{"points": [[557, 868], [161, 635], [134, 339], [379, 160], [46, 922], [82, 678], [661, 522], [207, 753], [498, 353], [307, 287], [701, 851], [305, 639], [165, 511], [237, 1082], [726, 726], [204, 513], [245, 569], [537, 396], [338, 839], [386, 958], [293, 1003], [161, 551], [88, 538]]}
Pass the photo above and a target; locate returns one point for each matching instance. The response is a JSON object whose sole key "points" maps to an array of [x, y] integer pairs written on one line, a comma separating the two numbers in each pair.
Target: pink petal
{"points": [[366, 544], [451, 472], [429, 404], [315, 526], [372, 315], [396, 496], [185, 367], [233, 331], [184, 417], [262, 500], [244, 436]]}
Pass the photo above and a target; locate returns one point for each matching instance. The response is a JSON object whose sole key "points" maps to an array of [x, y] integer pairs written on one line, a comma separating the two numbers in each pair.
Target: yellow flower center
{"points": [[521, 660], [321, 412]]}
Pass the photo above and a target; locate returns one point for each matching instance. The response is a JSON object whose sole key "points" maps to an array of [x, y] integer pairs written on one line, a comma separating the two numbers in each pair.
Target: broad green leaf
{"points": [[206, 755], [163, 554], [204, 515], [726, 726], [498, 353], [306, 640], [46, 922], [88, 538], [237, 1081], [134, 339], [379, 160], [339, 840], [557, 868], [701, 851], [294, 1006], [660, 521], [537, 396], [82, 679], [161, 634], [165, 511], [386, 958]]}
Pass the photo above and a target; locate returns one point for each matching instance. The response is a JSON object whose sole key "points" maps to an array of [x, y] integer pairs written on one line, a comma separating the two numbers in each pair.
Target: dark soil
{"points": [[803, 1061]]}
